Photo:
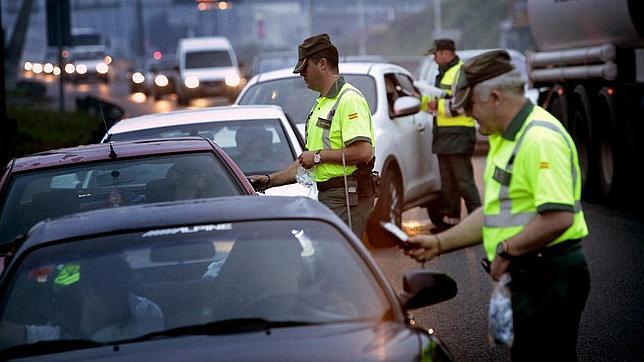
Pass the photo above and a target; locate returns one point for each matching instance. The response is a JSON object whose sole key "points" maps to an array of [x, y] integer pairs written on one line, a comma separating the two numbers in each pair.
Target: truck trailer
{"points": [[589, 69]]}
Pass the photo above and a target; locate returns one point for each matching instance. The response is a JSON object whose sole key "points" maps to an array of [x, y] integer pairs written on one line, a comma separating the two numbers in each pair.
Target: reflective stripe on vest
{"points": [[506, 218], [326, 141], [450, 78]]}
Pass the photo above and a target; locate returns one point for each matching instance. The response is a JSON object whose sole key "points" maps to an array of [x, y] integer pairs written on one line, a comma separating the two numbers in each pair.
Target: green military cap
{"points": [[478, 69], [310, 46], [441, 44]]}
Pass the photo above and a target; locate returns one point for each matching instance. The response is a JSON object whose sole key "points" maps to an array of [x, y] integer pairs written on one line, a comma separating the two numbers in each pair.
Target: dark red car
{"points": [[70, 180]]}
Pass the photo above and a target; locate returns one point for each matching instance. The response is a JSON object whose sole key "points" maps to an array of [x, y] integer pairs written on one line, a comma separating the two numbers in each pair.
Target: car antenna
{"points": [[109, 136]]}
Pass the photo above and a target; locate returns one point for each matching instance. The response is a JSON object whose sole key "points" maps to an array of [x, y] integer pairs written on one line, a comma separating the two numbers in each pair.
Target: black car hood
{"points": [[347, 341]]}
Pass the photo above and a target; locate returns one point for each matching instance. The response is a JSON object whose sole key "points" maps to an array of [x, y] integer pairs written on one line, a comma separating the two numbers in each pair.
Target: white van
{"points": [[207, 67]]}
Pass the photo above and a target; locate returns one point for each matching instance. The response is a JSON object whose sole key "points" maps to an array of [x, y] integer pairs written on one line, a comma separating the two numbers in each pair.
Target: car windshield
{"points": [[47, 193], [208, 59], [296, 98], [89, 56], [256, 146], [123, 286]]}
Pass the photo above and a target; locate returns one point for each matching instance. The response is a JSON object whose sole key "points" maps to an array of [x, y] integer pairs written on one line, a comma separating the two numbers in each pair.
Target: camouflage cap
{"points": [[310, 46], [478, 69], [441, 44]]}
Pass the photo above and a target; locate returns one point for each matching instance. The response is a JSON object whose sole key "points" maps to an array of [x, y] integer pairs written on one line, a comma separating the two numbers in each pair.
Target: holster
{"points": [[367, 179]]}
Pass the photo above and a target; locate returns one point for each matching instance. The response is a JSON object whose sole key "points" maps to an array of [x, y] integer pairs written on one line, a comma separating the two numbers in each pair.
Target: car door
{"points": [[426, 173], [411, 151]]}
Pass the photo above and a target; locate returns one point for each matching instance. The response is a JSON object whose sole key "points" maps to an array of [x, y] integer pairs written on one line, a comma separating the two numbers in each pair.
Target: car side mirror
{"points": [[425, 287], [406, 106]]}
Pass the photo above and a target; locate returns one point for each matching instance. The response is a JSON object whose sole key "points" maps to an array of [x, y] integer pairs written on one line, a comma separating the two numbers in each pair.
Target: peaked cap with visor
{"points": [[479, 69], [310, 46]]}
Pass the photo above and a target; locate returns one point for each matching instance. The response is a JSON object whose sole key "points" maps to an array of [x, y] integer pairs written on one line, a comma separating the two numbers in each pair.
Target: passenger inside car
{"points": [[255, 153], [184, 181]]}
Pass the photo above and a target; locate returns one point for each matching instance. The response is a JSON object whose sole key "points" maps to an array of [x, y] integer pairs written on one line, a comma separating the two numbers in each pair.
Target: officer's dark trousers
{"points": [[548, 295], [457, 180], [335, 199]]}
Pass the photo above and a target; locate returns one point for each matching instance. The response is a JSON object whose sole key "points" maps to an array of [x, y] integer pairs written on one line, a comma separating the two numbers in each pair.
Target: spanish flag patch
{"points": [[353, 115], [544, 164]]}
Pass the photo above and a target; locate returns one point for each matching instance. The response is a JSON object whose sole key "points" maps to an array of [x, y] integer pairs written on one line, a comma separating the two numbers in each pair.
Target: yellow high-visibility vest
{"points": [[444, 116], [532, 167]]}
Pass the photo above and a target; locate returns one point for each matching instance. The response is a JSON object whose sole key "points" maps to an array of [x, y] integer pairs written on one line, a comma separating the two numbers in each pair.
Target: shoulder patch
{"points": [[544, 165], [353, 115]]}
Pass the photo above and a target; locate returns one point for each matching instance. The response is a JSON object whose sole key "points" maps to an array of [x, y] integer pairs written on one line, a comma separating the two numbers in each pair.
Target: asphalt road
{"points": [[611, 327], [612, 323]]}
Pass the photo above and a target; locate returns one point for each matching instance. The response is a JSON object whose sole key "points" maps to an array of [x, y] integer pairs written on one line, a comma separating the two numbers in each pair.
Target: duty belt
{"points": [[365, 186]]}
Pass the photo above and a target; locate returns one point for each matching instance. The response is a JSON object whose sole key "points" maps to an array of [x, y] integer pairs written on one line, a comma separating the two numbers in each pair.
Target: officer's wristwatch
{"points": [[502, 251], [317, 158]]}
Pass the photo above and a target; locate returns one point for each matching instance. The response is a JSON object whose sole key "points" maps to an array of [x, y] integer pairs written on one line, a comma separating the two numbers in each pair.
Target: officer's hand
{"points": [[499, 267], [306, 159], [432, 106], [426, 247], [259, 182]]}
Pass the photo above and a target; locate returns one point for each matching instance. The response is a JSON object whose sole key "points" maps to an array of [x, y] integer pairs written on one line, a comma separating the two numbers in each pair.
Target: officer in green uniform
{"points": [[339, 138], [531, 222], [454, 139]]}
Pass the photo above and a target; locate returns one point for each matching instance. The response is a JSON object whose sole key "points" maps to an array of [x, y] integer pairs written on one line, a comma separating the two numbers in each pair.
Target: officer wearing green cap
{"points": [[340, 138], [531, 223], [453, 140]]}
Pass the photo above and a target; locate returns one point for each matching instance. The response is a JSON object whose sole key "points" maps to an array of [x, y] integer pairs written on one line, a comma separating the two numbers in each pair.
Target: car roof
{"points": [[345, 68], [99, 152], [180, 213], [213, 114]]}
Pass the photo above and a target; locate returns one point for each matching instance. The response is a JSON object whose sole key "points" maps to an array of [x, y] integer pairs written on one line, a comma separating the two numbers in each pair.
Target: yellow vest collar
{"points": [[510, 133]]}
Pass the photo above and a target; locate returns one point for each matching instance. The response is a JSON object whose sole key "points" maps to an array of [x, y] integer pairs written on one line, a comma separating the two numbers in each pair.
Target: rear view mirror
{"points": [[406, 106], [424, 287], [182, 252]]}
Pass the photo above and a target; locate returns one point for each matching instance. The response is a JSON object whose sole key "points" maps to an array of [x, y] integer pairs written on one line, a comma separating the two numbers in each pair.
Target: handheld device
{"points": [[401, 237]]}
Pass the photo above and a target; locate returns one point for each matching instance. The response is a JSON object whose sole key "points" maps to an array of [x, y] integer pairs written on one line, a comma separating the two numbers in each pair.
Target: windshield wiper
{"points": [[226, 326], [47, 347]]}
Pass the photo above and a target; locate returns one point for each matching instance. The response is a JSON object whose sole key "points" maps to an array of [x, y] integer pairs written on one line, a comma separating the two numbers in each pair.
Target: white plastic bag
{"points": [[500, 327], [304, 177]]}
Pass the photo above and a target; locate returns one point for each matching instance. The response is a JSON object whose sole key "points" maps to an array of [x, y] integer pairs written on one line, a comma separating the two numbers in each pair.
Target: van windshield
{"points": [[208, 59]]}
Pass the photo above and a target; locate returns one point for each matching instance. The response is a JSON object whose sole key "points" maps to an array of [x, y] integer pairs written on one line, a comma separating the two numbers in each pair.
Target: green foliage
{"points": [[41, 129], [478, 21]]}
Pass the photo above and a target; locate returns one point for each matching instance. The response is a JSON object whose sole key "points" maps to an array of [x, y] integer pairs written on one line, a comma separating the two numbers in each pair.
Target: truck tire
{"points": [[581, 127], [609, 164], [558, 106]]}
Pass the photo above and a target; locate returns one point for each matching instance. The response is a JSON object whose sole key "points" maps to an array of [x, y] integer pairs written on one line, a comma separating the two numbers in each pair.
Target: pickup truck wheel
{"points": [[389, 207], [390, 201]]}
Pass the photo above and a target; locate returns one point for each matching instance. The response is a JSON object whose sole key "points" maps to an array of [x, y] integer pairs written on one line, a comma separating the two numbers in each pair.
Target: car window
{"points": [[48, 193], [257, 146], [297, 99], [286, 270], [395, 89], [208, 59]]}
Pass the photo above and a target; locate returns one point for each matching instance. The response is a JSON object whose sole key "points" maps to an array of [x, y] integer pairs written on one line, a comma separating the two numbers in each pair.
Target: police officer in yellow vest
{"points": [[531, 222], [454, 139], [339, 137]]}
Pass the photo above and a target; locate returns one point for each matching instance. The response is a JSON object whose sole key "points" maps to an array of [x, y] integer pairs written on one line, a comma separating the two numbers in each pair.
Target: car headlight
{"points": [[232, 79], [69, 68], [28, 66], [81, 69], [56, 70], [161, 80], [138, 78], [102, 68], [191, 82], [107, 59], [37, 68]]}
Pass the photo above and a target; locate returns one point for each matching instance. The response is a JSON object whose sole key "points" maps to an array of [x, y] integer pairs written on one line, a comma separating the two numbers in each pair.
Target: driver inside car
{"points": [[90, 300]]}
